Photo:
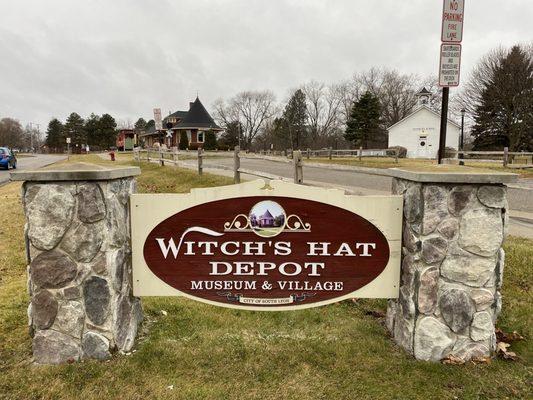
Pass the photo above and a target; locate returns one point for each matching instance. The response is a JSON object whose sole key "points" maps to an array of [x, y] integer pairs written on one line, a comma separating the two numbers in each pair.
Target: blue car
{"points": [[7, 158]]}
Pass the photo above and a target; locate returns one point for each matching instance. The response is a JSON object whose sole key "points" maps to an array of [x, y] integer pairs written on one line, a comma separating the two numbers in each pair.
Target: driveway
{"points": [[38, 161]]}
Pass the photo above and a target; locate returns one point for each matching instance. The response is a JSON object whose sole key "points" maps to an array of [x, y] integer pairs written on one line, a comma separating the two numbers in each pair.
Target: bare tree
{"points": [[251, 108], [11, 133], [323, 107], [396, 92]]}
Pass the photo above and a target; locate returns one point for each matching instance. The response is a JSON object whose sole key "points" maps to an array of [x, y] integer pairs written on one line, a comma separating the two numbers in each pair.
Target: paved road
{"points": [[40, 160], [520, 197]]}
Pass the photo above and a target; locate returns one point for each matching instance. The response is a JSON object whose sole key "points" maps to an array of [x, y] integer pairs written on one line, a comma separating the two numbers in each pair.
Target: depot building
{"points": [[419, 131], [195, 123]]}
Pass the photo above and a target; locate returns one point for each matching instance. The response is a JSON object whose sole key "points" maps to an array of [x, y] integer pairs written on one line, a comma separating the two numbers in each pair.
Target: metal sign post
{"points": [[68, 149], [450, 60]]}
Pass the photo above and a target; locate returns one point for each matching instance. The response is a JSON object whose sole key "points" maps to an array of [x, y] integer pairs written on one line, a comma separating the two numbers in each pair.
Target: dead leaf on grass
{"points": [[503, 352], [453, 360], [508, 337], [375, 314]]}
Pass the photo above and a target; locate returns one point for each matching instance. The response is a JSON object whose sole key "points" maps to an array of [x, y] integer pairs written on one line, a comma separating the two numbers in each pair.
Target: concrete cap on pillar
{"points": [[75, 172], [451, 174]]}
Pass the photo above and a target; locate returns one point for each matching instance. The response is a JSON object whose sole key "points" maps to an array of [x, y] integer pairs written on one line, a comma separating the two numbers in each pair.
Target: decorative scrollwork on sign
{"points": [[295, 223], [229, 296], [240, 223], [302, 297]]}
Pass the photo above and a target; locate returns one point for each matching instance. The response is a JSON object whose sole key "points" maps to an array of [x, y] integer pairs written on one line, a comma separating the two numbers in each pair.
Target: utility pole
{"points": [[31, 133]]}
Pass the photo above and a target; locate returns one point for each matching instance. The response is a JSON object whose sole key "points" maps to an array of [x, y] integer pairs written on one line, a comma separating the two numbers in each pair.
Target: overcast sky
{"points": [[127, 57]]}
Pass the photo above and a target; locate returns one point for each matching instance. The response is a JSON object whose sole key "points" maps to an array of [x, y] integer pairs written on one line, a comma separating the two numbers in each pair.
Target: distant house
{"points": [[266, 220], [195, 122], [126, 139], [419, 131]]}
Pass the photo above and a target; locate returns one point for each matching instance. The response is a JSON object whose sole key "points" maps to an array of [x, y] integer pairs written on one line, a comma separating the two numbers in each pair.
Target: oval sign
{"points": [[266, 252]]}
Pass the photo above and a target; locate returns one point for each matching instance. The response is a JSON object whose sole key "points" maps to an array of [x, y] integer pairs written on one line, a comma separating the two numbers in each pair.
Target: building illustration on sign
{"points": [[264, 251]]}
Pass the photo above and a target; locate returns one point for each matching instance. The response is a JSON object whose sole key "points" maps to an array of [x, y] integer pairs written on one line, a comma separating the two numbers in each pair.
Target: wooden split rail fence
{"points": [[507, 157], [173, 157]]}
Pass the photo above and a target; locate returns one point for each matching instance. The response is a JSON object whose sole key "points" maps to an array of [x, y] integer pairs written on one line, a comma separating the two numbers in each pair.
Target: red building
{"points": [[126, 139], [195, 123]]}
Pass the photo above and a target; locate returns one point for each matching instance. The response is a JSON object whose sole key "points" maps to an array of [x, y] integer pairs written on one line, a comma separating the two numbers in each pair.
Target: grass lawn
{"points": [[388, 162], [198, 351]]}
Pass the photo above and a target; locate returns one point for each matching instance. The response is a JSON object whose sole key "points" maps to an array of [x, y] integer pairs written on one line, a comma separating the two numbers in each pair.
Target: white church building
{"points": [[419, 131]]}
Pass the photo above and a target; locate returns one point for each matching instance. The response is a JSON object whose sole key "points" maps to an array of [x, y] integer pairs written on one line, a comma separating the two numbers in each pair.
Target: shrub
{"points": [[402, 151], [210, 141], [449, 152]]}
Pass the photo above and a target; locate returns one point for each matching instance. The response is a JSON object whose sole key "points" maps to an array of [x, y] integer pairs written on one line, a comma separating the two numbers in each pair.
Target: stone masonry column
{"points": [[77, 237], [452, 263]]}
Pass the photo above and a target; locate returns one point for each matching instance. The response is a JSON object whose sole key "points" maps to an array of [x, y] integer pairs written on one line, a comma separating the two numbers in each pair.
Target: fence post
{"points": [[236, 165], [161, 159], [360, 153], [396, 151], [200, 161], [308, 153], [330, 152], [175, 155], [505, 156], [298, 170]]}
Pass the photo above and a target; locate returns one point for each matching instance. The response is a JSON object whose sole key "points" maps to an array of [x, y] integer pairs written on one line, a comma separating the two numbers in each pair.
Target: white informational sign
{"points": [[452, 21], [449, 65], [157, 119], [68, 140]]}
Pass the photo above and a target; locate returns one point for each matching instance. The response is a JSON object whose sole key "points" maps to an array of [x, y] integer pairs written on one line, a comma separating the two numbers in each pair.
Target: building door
{"points": [[422, 150]]}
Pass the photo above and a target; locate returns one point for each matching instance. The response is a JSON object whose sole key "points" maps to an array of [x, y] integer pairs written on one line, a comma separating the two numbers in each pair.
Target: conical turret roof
{"points": [[197, 117]]}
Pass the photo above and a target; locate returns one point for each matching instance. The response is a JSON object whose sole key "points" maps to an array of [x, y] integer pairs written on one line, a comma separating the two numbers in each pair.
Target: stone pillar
{"points": [[452, 263], [77, 236]]}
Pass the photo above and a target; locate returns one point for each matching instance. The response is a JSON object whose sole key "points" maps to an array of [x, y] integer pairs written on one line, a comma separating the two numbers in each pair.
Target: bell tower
{"points": [[423, 97]]}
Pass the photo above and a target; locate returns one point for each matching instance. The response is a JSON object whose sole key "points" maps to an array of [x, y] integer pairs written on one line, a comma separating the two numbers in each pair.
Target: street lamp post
{"points": [[461, 144]]}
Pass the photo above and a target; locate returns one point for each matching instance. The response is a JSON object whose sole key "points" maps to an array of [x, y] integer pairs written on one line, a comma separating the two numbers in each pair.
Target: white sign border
{"points": [[148, 210], [440, 62]]}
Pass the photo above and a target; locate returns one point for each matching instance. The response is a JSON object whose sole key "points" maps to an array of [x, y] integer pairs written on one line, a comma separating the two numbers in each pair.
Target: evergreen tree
{"points": [[230, 137], [504, 115], [295, 116], [184, 141], [280, 134], [55, 137], [363, 124], [210, 142], [140, 125], [150, 125], [92, 128], [108, 131], [75, 129]]}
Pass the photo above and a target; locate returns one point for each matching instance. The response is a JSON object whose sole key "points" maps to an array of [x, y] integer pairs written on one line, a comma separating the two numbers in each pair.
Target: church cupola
{"points": [[423, 97]]}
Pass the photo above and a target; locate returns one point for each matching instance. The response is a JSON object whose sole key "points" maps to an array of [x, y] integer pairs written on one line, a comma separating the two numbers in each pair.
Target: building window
{"points": [[200, 137]]}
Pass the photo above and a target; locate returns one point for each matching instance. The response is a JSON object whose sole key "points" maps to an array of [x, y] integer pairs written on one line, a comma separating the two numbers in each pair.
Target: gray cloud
{"points": [[126, 57]]}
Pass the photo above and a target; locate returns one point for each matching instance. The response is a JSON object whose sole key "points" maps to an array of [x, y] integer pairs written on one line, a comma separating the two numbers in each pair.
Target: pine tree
{"points": [[363, 124], [295, 116], [55, 138], [184, 141], [108, 133], [75, 130], [210, 142], [140, 125], [230, 137], [504, 115], [92, 128]]}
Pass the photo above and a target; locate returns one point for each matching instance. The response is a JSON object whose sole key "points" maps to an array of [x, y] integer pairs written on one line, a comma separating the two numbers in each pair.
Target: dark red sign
{"points": [[266, 252]]}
